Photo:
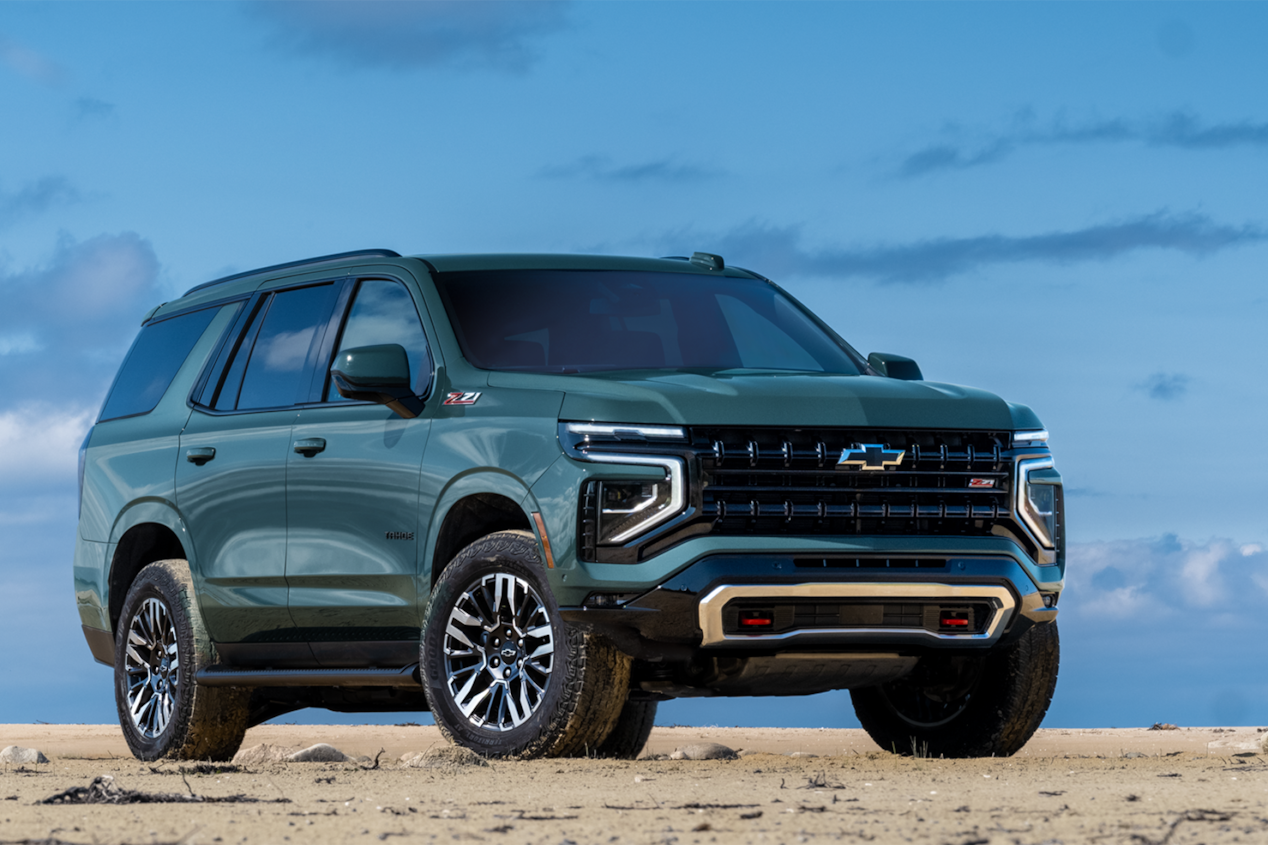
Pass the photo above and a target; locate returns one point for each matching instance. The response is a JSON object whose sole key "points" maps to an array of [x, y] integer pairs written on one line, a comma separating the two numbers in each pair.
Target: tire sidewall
{"points": [[503, 554], [155, 582], [999, 717]]}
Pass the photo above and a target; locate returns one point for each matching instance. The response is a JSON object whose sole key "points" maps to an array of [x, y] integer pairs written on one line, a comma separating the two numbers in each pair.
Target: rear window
{"points": [[152, 363], [568, 321]]}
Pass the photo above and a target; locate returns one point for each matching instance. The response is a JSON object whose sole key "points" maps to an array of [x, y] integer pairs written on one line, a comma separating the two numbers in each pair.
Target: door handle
{"points": [[200, 455], [310, 446]]}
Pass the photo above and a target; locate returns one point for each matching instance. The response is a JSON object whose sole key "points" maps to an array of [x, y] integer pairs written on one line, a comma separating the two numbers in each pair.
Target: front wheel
{"points": [[966, 706], [160, 644], [505, 675]]}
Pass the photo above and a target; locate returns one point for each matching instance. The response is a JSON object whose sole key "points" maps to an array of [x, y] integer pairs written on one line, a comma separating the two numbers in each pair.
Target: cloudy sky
{"points": [[1061, 203]]}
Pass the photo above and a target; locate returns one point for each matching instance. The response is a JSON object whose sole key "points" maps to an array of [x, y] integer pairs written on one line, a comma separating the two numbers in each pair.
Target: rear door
{"points": [[231, 471], [352, 499]]}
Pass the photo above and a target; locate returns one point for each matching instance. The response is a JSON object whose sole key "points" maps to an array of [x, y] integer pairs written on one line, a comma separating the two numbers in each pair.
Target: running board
{"points": [[227, 676]]}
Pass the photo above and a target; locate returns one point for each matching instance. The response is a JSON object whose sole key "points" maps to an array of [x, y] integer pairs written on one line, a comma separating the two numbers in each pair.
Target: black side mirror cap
{"points": [[895, 366], [377, 374]]}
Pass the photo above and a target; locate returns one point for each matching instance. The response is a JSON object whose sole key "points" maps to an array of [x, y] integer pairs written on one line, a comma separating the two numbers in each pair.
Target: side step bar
{"points": [[228, 676]]}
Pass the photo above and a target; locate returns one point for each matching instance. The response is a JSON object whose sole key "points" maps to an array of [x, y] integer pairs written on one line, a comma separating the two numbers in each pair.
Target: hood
{"points": [[767, 398]]}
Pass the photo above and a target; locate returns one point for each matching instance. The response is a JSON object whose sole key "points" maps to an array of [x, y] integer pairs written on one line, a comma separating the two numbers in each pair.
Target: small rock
{"points": [[18, 754], [1163, 726], [443, 757], [320, 753], [704, 751], [263, 753], [802, 754], [1132, 755]]}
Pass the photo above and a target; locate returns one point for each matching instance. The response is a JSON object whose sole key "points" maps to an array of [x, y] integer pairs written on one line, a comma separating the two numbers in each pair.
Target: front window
{"points": [[572, 321]]}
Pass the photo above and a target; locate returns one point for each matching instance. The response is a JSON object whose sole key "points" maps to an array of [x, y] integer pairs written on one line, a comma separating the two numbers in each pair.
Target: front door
{"points": [[352, 502]]}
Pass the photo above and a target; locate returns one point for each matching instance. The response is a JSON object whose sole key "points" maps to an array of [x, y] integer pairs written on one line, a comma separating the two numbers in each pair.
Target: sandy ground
{"points": [[1106, 786]]}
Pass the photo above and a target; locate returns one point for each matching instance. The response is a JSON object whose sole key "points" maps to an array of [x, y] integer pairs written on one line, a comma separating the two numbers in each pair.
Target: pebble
{"points": [[263, 753], [320, 753], [18, 754], [704, 751], [442, 757]]}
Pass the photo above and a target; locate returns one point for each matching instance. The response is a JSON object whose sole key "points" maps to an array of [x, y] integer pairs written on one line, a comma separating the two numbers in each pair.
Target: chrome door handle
{"points": [[310, 446], [200, 455]]}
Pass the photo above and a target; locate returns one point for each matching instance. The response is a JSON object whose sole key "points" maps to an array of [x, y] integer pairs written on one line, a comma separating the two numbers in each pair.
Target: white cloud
{"points": [[17, 343], [1146, 579], [39, 445], [95, 276]]}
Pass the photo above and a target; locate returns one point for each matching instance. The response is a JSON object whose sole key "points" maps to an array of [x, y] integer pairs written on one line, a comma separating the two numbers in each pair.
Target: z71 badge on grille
{"points": [[869, 456]]}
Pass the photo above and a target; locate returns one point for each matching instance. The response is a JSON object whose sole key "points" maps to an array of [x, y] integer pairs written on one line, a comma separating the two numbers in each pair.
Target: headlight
{"points": [[628, 507], [1036, 499]]}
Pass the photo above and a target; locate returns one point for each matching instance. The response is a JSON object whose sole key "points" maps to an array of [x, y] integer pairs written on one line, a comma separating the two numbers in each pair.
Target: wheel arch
{"points": [[472, 507], [146, 532]]}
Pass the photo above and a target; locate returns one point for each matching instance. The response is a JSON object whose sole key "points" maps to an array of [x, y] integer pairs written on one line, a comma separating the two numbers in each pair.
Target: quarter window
{"points": [[153, 362]]}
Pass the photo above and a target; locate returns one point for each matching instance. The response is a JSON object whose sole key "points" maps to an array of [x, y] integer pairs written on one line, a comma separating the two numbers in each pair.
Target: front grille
{"points": [[785, 481]]}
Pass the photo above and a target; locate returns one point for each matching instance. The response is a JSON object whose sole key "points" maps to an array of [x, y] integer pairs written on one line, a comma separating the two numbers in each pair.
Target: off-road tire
{"points": [[588, 680], [633, 727], [994, 718], [206, 723]]}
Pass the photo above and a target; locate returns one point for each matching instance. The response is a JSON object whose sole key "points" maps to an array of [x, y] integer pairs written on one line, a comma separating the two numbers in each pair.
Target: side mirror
{"points": [[377, 374], [895, 366]]}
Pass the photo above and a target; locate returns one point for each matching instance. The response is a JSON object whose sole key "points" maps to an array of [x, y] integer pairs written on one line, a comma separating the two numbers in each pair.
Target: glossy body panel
{"points": [[235, 506], [352, 511], [769, 398], [91, 586], [500, 445], [134, 458]]}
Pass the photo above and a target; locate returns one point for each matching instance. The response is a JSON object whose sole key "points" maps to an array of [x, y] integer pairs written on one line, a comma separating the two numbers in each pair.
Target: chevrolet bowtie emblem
{"points": [[869, 456]]}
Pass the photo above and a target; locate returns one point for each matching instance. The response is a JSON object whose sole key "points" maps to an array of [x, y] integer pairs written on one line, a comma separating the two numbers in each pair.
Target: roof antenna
{"points": [[709, 260]]}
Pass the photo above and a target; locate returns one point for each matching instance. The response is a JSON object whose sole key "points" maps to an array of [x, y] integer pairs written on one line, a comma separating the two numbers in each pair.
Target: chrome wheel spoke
{"points": [[151, 664], [498, 648]]}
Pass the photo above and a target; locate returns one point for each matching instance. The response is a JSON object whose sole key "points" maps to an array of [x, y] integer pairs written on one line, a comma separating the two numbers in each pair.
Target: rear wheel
{"points": [[966, 706], [160, 644], [633, 727], [505, 675]]}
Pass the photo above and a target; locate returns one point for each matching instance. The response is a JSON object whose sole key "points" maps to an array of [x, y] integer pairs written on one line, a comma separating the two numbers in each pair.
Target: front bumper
{"points": [[890, 603]]}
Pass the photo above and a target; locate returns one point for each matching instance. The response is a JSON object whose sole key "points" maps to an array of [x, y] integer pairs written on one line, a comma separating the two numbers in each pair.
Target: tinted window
{"points": [[152, 363], [277, 372], [578, 321], [225, 396], [383, 312]]}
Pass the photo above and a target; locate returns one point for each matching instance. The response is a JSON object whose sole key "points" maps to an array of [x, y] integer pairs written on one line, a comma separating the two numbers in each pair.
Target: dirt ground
{"points": [[1106, 786]]}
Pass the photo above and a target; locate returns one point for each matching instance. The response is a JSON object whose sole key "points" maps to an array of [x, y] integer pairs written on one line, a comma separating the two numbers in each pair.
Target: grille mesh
{"points": [[780, 481]]}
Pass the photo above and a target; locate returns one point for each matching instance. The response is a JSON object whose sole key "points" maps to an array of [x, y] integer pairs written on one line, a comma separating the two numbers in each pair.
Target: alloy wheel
{"points": [[499, 652], [152, 664]]}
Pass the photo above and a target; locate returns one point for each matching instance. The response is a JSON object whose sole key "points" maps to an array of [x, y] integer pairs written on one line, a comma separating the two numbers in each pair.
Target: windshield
{"points": [[569, 321]]}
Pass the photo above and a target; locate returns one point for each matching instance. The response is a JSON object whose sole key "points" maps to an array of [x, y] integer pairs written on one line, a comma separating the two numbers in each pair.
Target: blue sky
{"points": [[1061, 203]]}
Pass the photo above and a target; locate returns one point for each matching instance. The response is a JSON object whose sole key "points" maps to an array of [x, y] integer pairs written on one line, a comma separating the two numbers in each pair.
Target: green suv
{"points": [[538, 494]]}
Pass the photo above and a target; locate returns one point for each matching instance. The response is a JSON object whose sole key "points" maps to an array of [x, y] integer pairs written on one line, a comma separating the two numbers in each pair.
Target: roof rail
{"points": [[357, 253]]}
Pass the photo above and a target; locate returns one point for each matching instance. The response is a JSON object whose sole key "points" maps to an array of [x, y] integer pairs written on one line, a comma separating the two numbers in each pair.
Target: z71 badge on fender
{"points": [[460, 398]]}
